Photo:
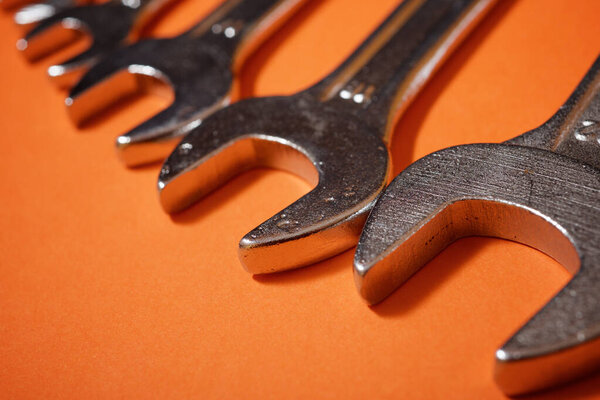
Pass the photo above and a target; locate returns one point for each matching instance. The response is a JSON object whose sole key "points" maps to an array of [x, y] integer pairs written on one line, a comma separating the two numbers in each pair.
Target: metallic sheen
{"points": [[541, 189], [333, 134], [33, 13], [199, 65], [109, 25]]}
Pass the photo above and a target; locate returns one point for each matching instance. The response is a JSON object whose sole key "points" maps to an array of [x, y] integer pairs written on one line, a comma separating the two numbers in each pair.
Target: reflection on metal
{"points": [[333, 134], [199, 66], [541, 189], [108, 25]]}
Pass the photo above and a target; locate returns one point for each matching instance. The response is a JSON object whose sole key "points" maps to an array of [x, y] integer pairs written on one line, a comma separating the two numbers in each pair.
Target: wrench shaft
{"points": [[385, 73]]}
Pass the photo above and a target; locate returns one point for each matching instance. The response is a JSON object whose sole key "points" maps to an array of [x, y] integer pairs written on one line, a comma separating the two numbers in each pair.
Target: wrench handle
{"points": [[385, 73], [241, 25], [574, 131]]}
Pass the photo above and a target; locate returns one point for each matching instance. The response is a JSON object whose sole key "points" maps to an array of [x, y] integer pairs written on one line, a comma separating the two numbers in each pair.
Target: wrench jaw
{"points": [[199, 82], [34, 13], [527, 195], [31, 14], [523, 366], [289, 133], [50, 35], [106, 24]]}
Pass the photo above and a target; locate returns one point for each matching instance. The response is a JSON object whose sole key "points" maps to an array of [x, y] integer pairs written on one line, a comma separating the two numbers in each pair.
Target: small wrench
{"points": [[333, 134], [31, 14], [109, 24], [541, 189], [200, 65]]}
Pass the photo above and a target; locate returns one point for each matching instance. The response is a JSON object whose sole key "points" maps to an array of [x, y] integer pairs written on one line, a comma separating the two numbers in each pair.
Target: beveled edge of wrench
{"points": [[292, 133], [200, 66], [108, 25]]}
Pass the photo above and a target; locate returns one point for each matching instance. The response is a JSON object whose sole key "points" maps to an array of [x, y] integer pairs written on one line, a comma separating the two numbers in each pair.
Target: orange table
{"points": [[102, 295]]}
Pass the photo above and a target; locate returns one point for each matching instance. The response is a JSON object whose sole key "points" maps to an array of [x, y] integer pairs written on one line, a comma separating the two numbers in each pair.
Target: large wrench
{"points": [[541, 189], [334, 134], [200, 65], [109, 25]]}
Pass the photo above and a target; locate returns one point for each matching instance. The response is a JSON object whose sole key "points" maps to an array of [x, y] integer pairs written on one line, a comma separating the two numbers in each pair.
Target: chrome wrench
{"points": [[109, 25], [541, 189], [200, 65], [334, 134], [31, 14]]}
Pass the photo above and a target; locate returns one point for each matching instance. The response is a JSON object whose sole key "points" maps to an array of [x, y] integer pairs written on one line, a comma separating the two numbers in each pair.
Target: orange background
{"points": [[102, 295]]}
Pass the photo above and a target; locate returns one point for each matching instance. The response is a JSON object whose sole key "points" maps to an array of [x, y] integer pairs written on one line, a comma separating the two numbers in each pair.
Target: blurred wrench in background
{"points": [[541, 189], [200, 66], [333, 134], [109, 25], [31, 14]]}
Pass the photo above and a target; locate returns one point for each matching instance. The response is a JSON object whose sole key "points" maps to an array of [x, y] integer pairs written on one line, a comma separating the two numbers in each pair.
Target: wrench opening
{"points": [[533, 196], [303, 138], [135, 80], [50, 37], [109, 25], [234, 158], [453, 221]]}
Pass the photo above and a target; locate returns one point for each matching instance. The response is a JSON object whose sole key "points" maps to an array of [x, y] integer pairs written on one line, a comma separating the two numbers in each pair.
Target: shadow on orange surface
{"points": [[431, 276], [221, 196], [578, 390], [256, 61], [316, 271]]}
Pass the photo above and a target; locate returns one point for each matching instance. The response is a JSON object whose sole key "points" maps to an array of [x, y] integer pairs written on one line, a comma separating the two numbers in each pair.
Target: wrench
{"points": [[200, 65], [36, 12], [109, 24], [541, 189], [333, 134]]}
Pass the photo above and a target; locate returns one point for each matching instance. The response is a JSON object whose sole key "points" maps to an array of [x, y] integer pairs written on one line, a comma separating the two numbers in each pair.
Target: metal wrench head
{"points": [[199, 65], [328, 148], [528, 195], [107, 24], [36, 12], [199, 75], [541, 189], [334, 133]]}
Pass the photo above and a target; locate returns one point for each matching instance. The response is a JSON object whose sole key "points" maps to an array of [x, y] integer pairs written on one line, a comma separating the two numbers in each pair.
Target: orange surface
{"points": [[102, 295]]}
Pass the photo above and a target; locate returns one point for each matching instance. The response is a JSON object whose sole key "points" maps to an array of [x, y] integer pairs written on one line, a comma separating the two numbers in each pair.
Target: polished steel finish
{"points": [[541, 189], [334, 134], [36, 12], [109, 25], [200, 66]]}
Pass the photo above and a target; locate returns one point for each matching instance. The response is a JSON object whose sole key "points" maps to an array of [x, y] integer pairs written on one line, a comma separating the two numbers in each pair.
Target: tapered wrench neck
{"points": [[385, 73], [574, 131], [239, 26]]}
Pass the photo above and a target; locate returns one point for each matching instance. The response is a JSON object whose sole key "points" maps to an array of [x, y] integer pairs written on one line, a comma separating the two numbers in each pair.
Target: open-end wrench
{"points": [[541, 189], [109, 25], [334, 134], [33, 13], [200, 66]]}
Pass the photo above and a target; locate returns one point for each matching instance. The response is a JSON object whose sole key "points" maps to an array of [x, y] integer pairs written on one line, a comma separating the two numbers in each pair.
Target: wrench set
{"points": [[540, 188]]}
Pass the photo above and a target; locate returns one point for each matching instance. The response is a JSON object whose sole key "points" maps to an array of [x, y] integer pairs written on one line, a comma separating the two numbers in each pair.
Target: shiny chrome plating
{"points": [[334, 134], [541, 189], [109, 25], [200, 66]]}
